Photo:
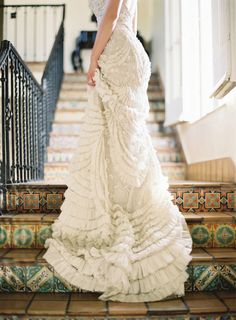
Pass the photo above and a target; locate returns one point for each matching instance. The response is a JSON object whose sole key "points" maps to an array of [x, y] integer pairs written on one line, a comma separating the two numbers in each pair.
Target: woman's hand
{"points": [[91, 72]]}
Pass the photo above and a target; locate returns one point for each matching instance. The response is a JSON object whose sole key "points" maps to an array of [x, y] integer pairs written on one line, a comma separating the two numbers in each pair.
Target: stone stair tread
{"points": [[64, 149], [65, 163], [201, 183], [28, 255], [172, 183], [199, 217], [88, 304]]}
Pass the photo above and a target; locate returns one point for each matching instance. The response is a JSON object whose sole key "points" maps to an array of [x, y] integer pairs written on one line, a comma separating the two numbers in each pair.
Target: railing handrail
{"points": [[52, 50], [27, 109], [5, 48]]}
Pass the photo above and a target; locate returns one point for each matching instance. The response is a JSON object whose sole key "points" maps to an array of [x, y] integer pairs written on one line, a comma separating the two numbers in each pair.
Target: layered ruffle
{"points": [[119, 232]]}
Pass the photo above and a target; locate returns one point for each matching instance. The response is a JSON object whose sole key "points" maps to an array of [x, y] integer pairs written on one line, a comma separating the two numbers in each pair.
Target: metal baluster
{"points": [[24, 121], [31, 130], [21, 132], [27, 125], [13, 122]]}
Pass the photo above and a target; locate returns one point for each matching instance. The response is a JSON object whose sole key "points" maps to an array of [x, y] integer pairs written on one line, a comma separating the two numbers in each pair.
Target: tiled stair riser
{"points": [[74, 128], [71, 141], [57, 172], [83, 96], [65, 156], [205, 199], [72, 115], [64, 105], [48, 198], [33, 234], [41, 277]]}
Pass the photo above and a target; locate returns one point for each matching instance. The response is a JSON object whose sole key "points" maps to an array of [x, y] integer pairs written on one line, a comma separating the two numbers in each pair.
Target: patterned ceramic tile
{"points": [[43, 231], [201, 235], [224, 235], [11, 202], [54, 201], [39, 278], [61, 285], [231, 200], [190, 200], [12, 279], [23, 236], [212, 200], [203, 199], [188, 285], [214, 277], [5, 236], [31, 201], [35, 198]]}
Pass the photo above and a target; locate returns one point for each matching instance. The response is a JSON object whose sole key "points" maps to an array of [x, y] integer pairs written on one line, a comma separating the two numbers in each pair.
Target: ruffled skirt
{"points": [[119, 232]]}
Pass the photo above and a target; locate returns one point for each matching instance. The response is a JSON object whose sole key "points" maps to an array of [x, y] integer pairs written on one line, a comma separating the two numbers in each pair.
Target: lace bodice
{"points": [[126, 15]]}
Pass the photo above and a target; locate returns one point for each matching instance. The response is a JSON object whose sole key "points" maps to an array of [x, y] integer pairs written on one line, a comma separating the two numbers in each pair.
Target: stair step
{"points": [[82, 86], [71, 140], [208, 230], [83, 105], [201, 305], [189, 196], [58, 171], [77, 77], [25, 270], [74, 127], [62, 154], [81, 95], [72, 115]]}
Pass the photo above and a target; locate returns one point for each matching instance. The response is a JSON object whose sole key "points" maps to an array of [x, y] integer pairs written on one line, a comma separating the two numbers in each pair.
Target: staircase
{"points": [[30, 288], [68, 117]]}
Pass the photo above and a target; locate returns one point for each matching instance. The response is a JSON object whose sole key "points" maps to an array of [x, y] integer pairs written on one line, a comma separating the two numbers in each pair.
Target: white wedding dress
{"points": [[119, 232]]}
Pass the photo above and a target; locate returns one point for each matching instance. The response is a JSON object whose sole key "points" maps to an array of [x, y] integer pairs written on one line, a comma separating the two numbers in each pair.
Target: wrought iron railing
{"points": [[27, 110]]}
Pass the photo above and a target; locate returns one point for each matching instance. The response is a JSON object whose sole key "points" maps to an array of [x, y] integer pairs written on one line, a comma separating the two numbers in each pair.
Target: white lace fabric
{"points": [[119, 232]]}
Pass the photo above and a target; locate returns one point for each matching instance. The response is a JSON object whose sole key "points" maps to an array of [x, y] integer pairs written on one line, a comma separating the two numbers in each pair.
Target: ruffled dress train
{"points": [[119, 233]]}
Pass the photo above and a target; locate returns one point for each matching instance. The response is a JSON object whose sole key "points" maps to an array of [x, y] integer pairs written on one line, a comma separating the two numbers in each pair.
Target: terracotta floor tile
{"points": [[49, 217], [193, 218], [215, 217], [175, 306], [54, 296], [22, 254], [127, 309], [27, 217], [200, 255], [85, 296], [49, 307], [227, 294], [198, 306], [16, 295], [199, 295], [13, 307], [87, 308], [231, 304], [222, 253], [3, 252]]}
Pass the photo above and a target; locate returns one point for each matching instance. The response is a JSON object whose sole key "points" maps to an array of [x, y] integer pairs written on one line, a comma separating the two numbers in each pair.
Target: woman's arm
{"points": [[107, 25]]}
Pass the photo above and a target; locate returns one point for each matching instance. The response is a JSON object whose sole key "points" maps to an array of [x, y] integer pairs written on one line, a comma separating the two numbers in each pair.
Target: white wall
{"points": [[158, 38], [213, 136], [77, 18]]}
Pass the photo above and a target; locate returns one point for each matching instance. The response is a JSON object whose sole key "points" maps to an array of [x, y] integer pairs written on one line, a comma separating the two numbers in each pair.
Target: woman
{"points": [[119, 232]]}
